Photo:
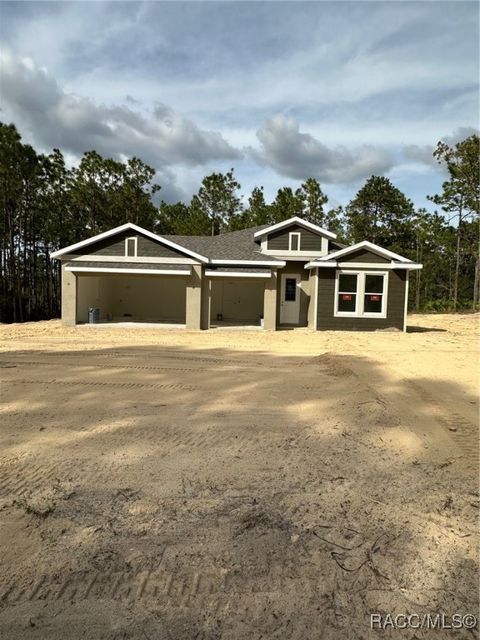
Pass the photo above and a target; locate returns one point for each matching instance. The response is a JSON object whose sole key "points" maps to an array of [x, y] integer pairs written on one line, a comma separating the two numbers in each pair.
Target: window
{"points": [[347, 292], [131, 247], [361, 294], [373, 296], [290, 289], [294, 241]]}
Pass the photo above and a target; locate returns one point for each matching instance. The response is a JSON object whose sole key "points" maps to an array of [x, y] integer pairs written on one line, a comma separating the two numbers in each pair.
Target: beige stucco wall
{"points": [[237, 299], [270, 302], [148, 297], [140, 298], [69, 297], [205, 302], [194, 299], [88, 295]]}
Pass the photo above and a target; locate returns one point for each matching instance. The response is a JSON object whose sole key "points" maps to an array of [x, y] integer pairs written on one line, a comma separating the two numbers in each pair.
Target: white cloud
{"points": [[75, 124], [424, 153], [299, 155], [186, 86]]}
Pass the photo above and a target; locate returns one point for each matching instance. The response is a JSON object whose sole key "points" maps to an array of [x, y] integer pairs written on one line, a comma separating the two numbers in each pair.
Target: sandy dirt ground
{"points": [[166, 484]]}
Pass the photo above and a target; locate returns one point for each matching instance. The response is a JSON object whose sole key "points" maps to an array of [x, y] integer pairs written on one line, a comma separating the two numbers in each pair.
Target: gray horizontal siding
{"points": [[309, 241], [395, 304], [363, 255], [115, 246]]}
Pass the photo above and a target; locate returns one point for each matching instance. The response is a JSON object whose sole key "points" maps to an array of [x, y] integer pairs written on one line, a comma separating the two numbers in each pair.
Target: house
{"points": [[290, 274]]}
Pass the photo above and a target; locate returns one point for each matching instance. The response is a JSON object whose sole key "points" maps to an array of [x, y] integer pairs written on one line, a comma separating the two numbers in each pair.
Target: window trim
{"points": [[355, 293], [299, 235], [360, 299], [135, 239]]}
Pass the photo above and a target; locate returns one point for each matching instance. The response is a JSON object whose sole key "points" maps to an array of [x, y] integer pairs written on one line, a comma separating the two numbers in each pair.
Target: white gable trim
{"points": [[365, 244], [125, 227], [294, 220], [83, 243]]}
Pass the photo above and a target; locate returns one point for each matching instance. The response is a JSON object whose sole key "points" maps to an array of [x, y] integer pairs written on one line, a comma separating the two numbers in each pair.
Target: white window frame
{"points": [[135, 239], [294, 233], [360, 294]]}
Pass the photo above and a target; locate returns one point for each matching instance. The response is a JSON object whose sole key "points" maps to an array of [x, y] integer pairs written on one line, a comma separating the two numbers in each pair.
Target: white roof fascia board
{"points": [[236, 274], [411, 266], [294, 220], [365, 244]]}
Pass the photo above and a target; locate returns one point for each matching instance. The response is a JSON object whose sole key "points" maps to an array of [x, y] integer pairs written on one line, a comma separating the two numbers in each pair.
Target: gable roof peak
{"points": [[294, 220], [365, 244], [124, 227]]}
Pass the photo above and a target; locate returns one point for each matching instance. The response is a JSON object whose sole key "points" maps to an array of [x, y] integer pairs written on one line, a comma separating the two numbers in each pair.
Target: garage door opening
{"points": [[236, 302], [132, 299]]}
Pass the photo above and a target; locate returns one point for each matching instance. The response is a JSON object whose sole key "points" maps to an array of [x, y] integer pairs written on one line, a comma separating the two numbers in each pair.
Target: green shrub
{"points": [[444, 305]]}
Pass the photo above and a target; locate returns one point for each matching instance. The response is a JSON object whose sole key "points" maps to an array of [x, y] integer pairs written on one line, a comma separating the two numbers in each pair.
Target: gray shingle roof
{"points": [[334, 245], [198, 244], [233, 245]]}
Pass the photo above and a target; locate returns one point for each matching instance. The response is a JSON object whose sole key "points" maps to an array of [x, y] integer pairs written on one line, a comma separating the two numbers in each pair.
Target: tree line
{"points": [[46, 205]]}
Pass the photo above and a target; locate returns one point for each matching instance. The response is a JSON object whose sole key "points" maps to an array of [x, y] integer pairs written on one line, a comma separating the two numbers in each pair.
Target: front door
{"points": [[290, 301]]}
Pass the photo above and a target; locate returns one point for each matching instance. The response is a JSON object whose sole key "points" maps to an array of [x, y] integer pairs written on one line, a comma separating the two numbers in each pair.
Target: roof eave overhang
{"points": [[408, 266], [148, 272], [315, 263], [218, 273]]}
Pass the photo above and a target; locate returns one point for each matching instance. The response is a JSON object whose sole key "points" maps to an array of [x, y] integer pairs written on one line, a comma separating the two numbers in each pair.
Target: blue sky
{"points": [[278, 90]]}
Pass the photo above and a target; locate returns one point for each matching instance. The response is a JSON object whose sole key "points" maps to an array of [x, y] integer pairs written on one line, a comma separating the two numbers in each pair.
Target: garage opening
{"points": [[132, 298], [236, 302]]}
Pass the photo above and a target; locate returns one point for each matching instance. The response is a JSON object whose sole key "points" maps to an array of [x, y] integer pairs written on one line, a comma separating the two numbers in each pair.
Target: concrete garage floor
{"points": [[133, 325], [236, 485], [235, 325], [223, 325]]}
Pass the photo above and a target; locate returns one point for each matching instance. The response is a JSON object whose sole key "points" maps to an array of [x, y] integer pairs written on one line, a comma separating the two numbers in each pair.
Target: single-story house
{"points": [[290, 274]]}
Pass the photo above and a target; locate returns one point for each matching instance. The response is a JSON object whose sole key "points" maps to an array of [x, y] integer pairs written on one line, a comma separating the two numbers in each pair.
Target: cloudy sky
{"points": [[278, 90]]}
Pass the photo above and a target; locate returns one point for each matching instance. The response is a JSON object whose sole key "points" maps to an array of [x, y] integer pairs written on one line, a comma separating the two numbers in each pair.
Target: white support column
{"points": [[407, 278]]}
